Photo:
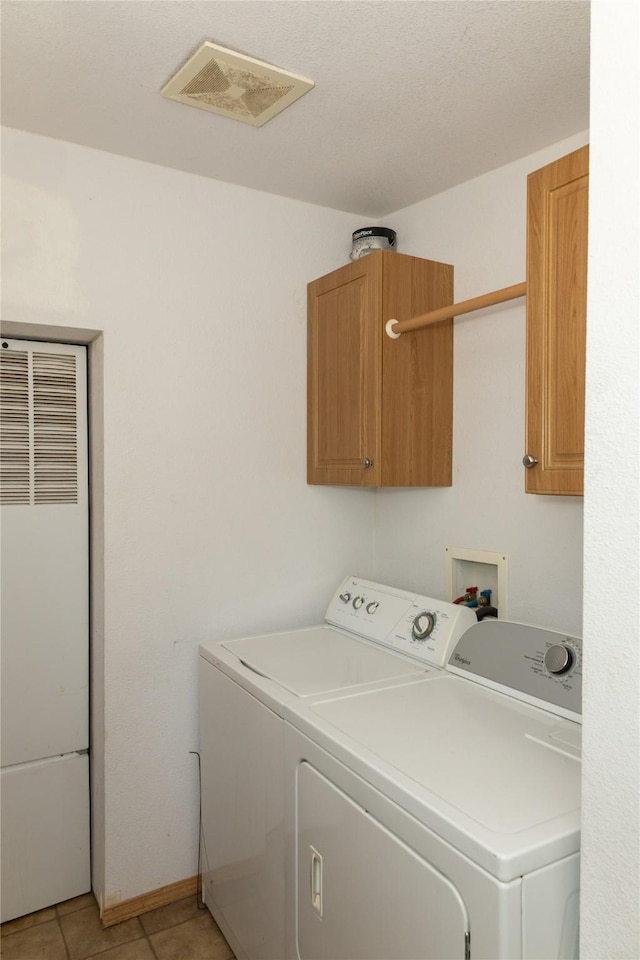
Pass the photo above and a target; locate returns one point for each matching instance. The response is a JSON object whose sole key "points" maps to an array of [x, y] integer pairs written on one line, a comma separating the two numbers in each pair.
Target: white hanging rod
{"points": [[395, 327]]}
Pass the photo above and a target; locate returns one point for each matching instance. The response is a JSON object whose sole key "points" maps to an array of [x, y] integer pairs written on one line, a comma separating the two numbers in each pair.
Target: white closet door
{"points": [[45, 590], [45, 833]]}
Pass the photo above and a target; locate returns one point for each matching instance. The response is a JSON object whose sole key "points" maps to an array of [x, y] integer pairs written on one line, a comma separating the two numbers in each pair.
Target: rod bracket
{"points": [[389, 325]]}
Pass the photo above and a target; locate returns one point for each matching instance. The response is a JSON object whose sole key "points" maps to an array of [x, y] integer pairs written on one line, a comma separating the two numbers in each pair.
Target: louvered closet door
{"points": [[44, 503]]}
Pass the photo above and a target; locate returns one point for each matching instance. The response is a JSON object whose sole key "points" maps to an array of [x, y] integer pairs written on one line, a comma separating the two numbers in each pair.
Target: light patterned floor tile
{"points": [[30, 920], [136, 950], [178, 931], [76, 903], [41, 942], [198, 939], [169, 916], [85, 934]]}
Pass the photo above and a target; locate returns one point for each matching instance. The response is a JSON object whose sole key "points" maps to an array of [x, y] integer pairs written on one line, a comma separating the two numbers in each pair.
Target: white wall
{"points": [[610, 895], [209, 526], [480, 228]]}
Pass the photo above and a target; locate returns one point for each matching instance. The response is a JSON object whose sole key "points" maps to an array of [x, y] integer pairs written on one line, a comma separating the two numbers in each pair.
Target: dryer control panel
{"points": [[539, 666], [416, 625]]}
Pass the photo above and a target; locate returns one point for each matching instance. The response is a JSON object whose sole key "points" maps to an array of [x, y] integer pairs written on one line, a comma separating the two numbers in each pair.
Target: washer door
{"points": [[362, 893]]}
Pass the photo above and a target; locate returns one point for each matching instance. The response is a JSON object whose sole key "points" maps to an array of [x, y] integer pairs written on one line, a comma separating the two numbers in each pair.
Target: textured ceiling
{"points": [[410, 98]]}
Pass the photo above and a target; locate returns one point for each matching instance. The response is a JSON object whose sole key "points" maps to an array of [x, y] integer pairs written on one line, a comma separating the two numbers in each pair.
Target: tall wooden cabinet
{"points": [[380, 410], [557, 198]]}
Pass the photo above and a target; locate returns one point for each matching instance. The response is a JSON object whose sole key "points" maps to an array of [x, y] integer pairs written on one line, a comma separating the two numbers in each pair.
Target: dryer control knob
{"points": [[559, 659], [345, 597], [357, 602], [373, 606]]}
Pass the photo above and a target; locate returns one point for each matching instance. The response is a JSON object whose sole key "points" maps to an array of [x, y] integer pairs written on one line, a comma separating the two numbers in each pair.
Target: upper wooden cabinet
{"points": [[380, 410], [557, 215]]}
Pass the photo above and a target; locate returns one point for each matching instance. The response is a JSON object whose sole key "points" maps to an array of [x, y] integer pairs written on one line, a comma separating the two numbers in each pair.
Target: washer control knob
{"points": [[357, 602], [345, 597], [423, 625], [373, 606], [559, 659]]}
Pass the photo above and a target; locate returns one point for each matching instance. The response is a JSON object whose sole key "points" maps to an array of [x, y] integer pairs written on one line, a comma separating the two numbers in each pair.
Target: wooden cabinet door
{"points": [[344, 379], [556, 324]]}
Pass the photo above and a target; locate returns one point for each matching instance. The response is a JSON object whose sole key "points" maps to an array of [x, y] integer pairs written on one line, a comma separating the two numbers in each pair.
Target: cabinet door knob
{"points": [[529, 461], [366, 463]]}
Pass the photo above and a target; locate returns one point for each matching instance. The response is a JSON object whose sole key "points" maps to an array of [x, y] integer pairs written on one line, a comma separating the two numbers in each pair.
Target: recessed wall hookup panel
{"points": [[483, 569]]}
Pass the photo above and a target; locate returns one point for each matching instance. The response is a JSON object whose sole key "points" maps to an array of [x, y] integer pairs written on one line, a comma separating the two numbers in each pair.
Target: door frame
{"points": [[93, 340]]}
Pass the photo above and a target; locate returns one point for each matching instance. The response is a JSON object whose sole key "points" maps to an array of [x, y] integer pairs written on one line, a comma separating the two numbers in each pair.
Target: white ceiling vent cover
{"points": [[235, 86]]}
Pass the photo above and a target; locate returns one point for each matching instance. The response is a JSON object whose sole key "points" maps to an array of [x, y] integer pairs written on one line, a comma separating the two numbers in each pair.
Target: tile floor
{"points": [[73, 931]]}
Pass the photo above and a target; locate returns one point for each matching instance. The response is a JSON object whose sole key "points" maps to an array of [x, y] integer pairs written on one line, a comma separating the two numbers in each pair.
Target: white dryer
{"points": [[440, 818], [373, 636]]}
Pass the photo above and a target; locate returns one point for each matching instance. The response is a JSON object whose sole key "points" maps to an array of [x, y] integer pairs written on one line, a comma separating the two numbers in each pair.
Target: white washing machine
{"points": [[440, 818], [373, 636]]}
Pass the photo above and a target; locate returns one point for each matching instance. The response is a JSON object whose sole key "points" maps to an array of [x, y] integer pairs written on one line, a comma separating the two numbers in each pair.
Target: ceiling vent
{"points": [[235, 86]]}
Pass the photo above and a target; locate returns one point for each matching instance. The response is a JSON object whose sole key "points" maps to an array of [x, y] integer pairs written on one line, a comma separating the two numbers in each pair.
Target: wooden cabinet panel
{"points": [[417, 378], [557, 222], [344, 362], [370, 398]]}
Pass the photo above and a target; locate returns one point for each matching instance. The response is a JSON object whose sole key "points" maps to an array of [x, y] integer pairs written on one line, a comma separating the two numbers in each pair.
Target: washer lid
{"points": [[507, 766], [319, 660]]}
